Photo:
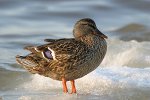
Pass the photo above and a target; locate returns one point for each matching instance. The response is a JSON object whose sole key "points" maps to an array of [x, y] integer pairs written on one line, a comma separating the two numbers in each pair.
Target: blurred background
{"points": [[48, 16], [124, 73]]}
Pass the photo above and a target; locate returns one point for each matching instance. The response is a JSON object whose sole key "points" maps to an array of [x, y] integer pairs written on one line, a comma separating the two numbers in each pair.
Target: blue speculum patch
{"points": [[48, 54]]}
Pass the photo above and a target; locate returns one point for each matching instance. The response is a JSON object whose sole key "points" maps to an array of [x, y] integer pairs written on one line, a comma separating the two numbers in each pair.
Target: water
{"points": [[123, 74]]}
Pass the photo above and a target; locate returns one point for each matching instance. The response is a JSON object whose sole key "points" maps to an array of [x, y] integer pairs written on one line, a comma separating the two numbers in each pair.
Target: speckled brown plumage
{"points": [[69, 58]]}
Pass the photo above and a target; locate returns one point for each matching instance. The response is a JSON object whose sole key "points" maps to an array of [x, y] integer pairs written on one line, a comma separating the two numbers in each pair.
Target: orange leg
{"points": [[73, 86], [65, 90]]}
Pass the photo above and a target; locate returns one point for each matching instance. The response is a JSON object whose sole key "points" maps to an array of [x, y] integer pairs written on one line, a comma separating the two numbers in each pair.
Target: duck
{"points": [[67, 59]]}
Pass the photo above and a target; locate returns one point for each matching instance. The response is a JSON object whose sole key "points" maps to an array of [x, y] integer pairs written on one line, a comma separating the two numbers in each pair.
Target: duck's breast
{"points": [[92, 60]]}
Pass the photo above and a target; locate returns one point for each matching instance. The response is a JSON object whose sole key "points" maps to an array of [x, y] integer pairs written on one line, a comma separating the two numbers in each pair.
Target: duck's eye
{"points": [[90, 25], [48, 54]]}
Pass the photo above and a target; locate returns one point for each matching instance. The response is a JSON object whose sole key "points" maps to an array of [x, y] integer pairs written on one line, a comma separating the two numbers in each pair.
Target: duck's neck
{"points": [[90, 39]]}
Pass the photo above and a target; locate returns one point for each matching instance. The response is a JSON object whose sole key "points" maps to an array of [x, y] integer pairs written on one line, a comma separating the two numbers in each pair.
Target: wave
{"points": [[133, 31], [127, 53]]}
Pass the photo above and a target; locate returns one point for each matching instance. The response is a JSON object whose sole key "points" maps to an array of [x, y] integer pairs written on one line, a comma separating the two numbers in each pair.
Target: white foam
{"points": [[131, 53], [105, 80], [39, 82], [101, 81], [25, 98]]}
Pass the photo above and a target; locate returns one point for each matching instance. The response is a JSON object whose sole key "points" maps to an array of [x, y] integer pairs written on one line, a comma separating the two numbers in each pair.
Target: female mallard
{"points": [[68, 59]]}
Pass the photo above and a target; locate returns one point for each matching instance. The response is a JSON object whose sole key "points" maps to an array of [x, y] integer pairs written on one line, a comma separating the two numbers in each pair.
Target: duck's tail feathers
{"points": [[29, 64]]}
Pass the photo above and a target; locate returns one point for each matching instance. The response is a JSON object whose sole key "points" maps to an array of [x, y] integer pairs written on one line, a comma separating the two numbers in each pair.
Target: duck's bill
{"points": [[101, 34]]}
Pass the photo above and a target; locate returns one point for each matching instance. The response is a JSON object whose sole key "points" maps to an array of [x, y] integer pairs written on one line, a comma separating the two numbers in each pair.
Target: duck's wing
{"points": [[59, 56], [63, 50], [67, 50]]}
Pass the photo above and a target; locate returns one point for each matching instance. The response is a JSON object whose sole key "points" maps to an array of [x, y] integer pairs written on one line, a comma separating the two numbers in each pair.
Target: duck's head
{"points": [[86, 26]]}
